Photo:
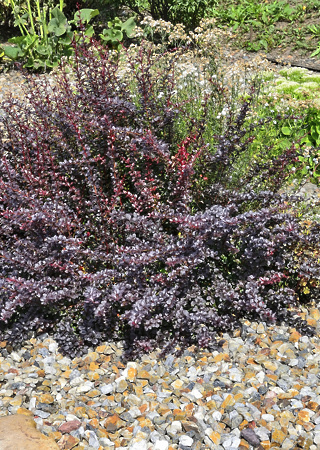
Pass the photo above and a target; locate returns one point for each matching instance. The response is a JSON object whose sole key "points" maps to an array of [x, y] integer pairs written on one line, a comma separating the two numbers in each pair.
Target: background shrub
{"points": [[113, 225]]}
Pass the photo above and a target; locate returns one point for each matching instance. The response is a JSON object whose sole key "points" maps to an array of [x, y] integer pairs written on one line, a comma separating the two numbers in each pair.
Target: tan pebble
{"points": [[46, 398], [101, 348], [243, 424], [122, 385], [115, 369], [93, 366], [278, 436], [132, 373], [315, 313], [93, 376], [113, 436], [41, 373], [138, 390], [66, 374], [314, 406], [238, 397], [163, 409], [249, 375], [251, 361], [92, 413], [105, 359], [189, 408], [101, 432], [16, 401], [272, 376], [91, 357], [94, 422], [67, 442], [260, 328], [221, 357], [228, 401], [214, 436], [304, 416], [262, 423], [24, 412], [177, 384], [56, 435], [243, 445], [285, 418], [211, 405], [290, 394], [294, 336], [80, 411], [308, 426], [93, 393], [113, 423], [143, 374], [143, 408], [312, 322], [270, 365], [179, 414]]}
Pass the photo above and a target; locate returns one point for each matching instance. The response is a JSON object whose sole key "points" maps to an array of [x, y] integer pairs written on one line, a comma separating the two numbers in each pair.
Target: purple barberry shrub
{"points": [[106, 231]]}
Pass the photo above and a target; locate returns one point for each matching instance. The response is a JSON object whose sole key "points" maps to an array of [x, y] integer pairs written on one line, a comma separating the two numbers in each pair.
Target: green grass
{"points": [[272, 23]]}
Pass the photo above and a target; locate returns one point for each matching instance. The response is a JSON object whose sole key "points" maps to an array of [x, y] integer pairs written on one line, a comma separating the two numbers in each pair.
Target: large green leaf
{"points": [[58, 25], [12, 52], [85, 15], [112, 34], [44, 50], [128, 26]]}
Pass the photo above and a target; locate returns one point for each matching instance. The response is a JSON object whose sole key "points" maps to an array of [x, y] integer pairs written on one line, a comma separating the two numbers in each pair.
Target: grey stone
{"points": [[250, 436]]}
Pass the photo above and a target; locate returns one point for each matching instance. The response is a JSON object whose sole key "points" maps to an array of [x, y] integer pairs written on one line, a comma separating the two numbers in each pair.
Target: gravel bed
{"points": [[259, 390]]}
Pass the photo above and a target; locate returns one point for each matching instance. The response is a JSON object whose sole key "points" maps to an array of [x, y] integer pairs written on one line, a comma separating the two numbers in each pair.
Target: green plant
{"points": [[311, 154], [46, 34], [188, 12], [113, 36]]}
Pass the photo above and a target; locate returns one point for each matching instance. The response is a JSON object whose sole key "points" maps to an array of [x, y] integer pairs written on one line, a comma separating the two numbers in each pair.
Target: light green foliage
{"points": [[298, 83], [294, 84], [114, 35], [311, 156]]}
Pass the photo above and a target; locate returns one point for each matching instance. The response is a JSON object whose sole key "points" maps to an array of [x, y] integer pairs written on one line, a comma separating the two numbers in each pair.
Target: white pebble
{"points": [[185, 440]]}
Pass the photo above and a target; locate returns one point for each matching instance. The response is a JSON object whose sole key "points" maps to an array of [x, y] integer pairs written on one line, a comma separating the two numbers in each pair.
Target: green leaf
{"points": [[44, 50], [58, 25], [112, 35], [128, 26], [85, 15], [66, 39], [316, 52], [12, 52], [89, 32], [286, 131]]}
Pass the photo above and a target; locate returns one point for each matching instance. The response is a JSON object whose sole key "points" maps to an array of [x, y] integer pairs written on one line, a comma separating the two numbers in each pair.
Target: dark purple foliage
{"points": [[106, 234]]}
